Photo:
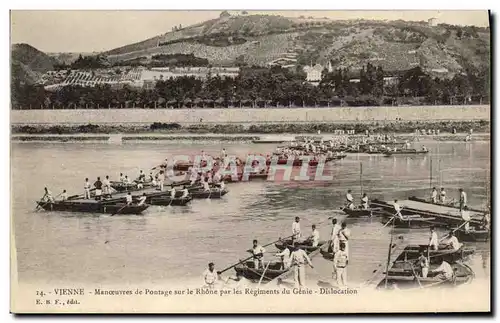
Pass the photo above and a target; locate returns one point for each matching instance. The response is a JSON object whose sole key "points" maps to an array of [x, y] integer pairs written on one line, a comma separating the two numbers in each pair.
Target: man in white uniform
{"points": [[364, 201], [423, 264], [350, 200], [128, 198], [340, 261], [106, 187], [299, 258], [285, 258], [86, 189], [463, 199], [445, 271], [451, 242], [433, 240], [335, 235], [142, 199], [314, 237], [64, 195], [173, 192], [161, 179], [434, 195], [258, 253], [344, 235], [442, 195], [397, 209], [466, 217], [210, 276], [296, 229]]}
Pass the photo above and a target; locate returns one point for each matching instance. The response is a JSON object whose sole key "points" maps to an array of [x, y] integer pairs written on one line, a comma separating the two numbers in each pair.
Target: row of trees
{"points": [[266, 87]]}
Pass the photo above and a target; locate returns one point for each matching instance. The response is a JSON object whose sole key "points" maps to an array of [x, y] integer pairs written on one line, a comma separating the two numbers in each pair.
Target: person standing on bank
{"points": [[340, 262], [334, 238], [299, 258]]}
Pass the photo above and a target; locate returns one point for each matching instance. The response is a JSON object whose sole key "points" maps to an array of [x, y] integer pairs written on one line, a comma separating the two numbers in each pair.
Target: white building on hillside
{"points": [[313, 73], [432, 22]]}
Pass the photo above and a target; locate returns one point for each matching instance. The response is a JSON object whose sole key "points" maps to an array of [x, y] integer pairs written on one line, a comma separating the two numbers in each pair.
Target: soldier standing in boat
{"points": [[349, 200], [423, 264], [47, 196], [296, 229], [340, 262], [314, 237], [442, 195], [86, 189], [285, 258], [463, 199], [433, 240], [210, 276], [128, 198], [364, 201], [106, 187], [142, 199], [434, 195], [98, 189], [64, 195], [161, 179], [258, 253], [298, 260]]}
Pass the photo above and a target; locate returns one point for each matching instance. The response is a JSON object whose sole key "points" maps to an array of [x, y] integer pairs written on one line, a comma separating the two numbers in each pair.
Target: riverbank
{"points": [[458, 137], [157, 128]]}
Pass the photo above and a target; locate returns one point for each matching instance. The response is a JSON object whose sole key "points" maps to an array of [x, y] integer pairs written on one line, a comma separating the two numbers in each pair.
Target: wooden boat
{"points": [[305, 245], [407, 276], [444, 215], [274, 271], [166, 201], [414, 198], [336, 157], [213, 194], [472, 235], [406, 152], [247, 270], [229, 178], [296, 162], [92, 206], [122, 187], [415, 221], [412, 252], [360, 212]]}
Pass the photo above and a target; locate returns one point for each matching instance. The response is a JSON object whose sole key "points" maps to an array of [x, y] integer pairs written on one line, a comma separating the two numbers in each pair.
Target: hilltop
{"points": [[263, 39], [28, 63]]}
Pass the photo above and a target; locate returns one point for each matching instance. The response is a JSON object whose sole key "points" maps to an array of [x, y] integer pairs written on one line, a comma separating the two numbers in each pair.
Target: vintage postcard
{"points": [[250, 161]]}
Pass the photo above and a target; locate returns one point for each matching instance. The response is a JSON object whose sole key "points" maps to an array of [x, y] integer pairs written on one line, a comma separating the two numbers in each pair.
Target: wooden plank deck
{"points": [[435, 208]]}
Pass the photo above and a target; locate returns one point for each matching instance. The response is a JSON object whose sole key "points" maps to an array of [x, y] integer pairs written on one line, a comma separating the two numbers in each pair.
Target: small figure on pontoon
{"points": [[185, 192], [442, 195], [424, 148], [434, 195], [64, 195], [463, 199], [397, 209]]}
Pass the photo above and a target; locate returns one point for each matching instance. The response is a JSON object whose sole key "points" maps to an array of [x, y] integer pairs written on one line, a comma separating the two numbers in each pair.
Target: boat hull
{"points": [[93, 207], [166, 201], [307, 246], [248, 271], [412, 252], [473, 236]]}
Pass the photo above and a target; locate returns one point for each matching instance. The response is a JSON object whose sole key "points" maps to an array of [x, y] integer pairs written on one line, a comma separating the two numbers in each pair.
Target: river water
{"points": [[176, 243]]}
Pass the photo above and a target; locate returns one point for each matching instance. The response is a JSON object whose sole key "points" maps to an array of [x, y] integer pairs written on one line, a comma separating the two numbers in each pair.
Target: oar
{"points": [[263, 273], [454, 230], [38, 205], [119, 210], [241, 261]]}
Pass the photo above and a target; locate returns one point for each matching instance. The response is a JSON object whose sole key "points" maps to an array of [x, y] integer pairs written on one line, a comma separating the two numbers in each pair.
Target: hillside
{"points": [[28, 63], [261, 39]]}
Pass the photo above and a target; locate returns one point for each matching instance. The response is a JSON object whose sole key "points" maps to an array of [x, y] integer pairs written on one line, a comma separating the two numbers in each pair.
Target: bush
{"points": [[164, 126]]}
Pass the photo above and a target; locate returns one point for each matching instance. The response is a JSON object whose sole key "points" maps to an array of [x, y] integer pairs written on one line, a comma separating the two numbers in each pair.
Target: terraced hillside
{"points": [[260, 39]]}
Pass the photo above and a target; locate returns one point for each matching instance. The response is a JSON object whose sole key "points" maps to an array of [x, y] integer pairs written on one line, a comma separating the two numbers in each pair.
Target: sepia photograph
{"points": [[243, 161]]}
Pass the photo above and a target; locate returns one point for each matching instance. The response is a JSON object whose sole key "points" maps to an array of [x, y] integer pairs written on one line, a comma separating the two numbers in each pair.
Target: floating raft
{"points": [[417, 199], [442, 213], [406, 152]]}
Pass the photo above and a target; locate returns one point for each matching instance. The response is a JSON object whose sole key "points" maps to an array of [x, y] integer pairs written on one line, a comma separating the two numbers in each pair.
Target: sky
{"points": [[88, 31]]}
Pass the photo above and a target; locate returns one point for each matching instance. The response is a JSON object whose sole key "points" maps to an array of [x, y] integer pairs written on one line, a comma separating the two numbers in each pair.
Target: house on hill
{"points": [[313, 73]]}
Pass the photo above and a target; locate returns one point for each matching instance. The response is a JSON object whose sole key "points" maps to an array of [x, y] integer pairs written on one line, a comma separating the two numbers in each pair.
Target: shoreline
{"points": [[153, 137]]}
